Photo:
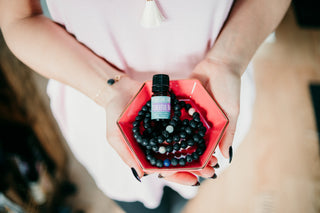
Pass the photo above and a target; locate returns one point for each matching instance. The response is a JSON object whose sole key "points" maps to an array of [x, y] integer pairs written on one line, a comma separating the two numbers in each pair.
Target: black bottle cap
{"points": [[160, 83]]}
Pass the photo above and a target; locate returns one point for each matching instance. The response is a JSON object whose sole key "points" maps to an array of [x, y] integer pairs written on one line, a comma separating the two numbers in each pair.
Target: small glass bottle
{"points": [[160, 100]]}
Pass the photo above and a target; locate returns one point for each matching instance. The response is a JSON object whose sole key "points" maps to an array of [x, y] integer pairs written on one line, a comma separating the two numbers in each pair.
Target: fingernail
{"points": [[217, 166], [135, 174], [230, 154], [160, 176], [196, 184], [145, 174], [214, 176]]}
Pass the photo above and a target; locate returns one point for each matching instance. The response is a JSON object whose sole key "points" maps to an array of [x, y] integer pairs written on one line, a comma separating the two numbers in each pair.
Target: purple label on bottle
{"points": [[160, 107]]}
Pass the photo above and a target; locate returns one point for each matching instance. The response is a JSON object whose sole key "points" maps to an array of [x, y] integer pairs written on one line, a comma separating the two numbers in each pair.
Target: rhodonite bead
{"points": [[162, 149], [191, 111], [174, 161], [166, 162], [170, 129]]}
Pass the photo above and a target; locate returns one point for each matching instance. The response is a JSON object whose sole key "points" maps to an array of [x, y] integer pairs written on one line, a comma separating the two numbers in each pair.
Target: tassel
{"points": [[151, 16]]}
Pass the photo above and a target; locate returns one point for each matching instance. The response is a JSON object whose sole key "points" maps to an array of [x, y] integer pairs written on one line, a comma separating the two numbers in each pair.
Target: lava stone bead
{"points": [[135, 129], [183, 144], [153, 142], [176, 138], [200, 151], [187, 107], [201, 141], [182, 128], [136, 123], [177, 113], [182, 162], [148, 152], [200, 125], [169, 139], [185, 122], [155, 148], [160, 139], [190, 142], [174, 161], [176, 146], [148, 115], [183, 134], [166, 162], [144, 142], [196, 115], [138, 118], [169, 148], [193, 124], [196, 119], [182, 104], [146, 120], [202, 133], [141, 113], [148, 104], [149, 156], [176, 107], [153, 161], [139, 139], [165, 134], [176, 118], [196, 138], [159, 163], [145, 108], [148, 147], [173, 123], [147, 125], [195, 156], [188, 130], [189, 158]]}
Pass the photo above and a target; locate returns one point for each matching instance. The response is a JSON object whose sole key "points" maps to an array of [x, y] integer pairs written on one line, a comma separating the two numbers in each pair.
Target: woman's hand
{"points": [[124, 90], [222, 81]]}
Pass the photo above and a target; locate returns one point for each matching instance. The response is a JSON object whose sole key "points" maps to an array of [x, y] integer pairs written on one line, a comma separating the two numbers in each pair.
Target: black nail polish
{"points": [[160, 176], [217, 166], [135, 174], [145, 174], [196, 184], [230, 154], [214, 176]]}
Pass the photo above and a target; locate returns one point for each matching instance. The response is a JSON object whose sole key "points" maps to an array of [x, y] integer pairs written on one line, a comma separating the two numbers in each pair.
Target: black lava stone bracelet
{"points": [[168, 137]]}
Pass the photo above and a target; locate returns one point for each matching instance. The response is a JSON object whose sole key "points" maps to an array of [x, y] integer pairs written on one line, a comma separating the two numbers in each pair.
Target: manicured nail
{"points": [[196, 184], [217, 166], [145, 174], [135, 174], [214, 176], [230, 154], [160, 176]]}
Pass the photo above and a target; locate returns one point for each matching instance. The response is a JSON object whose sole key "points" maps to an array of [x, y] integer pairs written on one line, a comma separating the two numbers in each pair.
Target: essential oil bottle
{"points": [[160, 100]]}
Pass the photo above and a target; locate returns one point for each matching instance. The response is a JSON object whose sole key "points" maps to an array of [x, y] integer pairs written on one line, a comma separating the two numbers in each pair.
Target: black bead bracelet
{"points": [[168, 138]]}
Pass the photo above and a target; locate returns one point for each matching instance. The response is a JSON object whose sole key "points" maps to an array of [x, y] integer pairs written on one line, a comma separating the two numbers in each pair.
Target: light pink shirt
{"points": [[111, 28]]}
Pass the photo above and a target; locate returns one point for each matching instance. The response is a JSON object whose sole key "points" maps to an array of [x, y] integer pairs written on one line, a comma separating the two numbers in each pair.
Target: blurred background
{"points": [[276, 169]]}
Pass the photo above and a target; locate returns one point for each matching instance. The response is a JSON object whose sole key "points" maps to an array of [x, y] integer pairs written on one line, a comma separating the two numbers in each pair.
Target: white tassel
{"points": [[151, 16]]}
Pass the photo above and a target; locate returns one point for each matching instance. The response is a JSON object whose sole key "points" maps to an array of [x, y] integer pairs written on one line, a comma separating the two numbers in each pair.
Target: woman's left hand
{"points": [[222, 81]]}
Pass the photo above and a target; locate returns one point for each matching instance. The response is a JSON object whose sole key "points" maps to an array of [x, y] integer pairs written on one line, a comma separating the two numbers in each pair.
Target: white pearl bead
{"points": [[169, 129], [162, 149], [191, 111]]}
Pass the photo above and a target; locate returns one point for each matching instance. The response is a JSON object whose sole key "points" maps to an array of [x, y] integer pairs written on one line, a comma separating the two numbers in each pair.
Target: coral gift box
{"points": [[191, 91]]}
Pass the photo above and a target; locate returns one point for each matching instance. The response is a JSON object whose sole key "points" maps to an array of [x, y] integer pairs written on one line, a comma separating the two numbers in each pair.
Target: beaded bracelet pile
{"points": [[167, 138]]}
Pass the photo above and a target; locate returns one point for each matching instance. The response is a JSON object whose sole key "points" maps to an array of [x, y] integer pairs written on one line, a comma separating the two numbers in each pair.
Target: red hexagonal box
{"points": [[191, 91]]}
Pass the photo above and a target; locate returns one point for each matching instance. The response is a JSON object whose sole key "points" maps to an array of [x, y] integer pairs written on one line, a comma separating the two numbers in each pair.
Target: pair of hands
{"points": [[221, 81]]}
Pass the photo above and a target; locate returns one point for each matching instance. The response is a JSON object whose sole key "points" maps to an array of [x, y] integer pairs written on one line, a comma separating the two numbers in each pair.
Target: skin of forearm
{"points": [[52, 52], [247, 26]]}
